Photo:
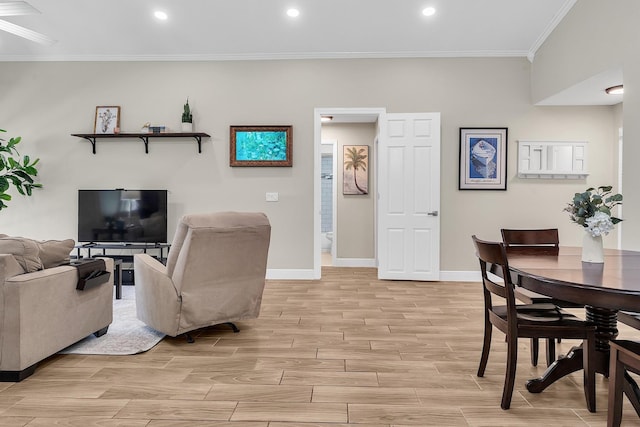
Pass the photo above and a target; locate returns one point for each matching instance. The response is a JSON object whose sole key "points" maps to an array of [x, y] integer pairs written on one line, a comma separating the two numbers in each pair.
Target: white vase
{"points": [[592, 250], [187, 127]]}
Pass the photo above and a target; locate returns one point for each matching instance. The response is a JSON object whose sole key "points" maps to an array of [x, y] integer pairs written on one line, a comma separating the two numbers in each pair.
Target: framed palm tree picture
{"points": [[355, 174]]}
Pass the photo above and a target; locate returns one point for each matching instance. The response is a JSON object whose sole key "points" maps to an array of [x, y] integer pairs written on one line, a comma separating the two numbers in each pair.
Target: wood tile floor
{"points": [[346, 350]]}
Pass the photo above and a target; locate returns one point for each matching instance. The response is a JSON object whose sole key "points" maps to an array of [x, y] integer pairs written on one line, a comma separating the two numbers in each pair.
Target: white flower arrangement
{"points": [[599, 224], [592, 210]]}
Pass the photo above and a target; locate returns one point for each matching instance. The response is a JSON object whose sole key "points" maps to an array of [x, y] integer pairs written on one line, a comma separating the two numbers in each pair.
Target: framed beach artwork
{"points": [[107, 120], [483, 159], [355, 174], [261, 146]]}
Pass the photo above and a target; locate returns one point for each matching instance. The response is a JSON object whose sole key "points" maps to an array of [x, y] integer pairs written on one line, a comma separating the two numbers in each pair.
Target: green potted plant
{"points": [[187, 118], [18, 171]]}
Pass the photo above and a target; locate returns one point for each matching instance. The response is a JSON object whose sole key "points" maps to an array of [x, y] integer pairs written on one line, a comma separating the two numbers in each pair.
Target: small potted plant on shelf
{"points": [[187, 118]]}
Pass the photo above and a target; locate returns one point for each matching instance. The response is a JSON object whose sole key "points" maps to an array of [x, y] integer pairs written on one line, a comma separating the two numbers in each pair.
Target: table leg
{"points": [[606, 322], [117, 271], [558, 369], [606, 329]]}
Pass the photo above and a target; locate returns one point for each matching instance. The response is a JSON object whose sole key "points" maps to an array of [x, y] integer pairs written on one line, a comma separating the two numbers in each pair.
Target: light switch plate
{"points": [[272, 197]]}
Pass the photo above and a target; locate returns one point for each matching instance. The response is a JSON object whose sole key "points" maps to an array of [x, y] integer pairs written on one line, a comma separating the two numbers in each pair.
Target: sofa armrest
{"points": [[44, 313], [157, 300], [9, 267]]}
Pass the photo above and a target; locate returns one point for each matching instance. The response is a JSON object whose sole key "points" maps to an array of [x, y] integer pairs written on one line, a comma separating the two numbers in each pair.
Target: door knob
{"points": [[434, 213]]}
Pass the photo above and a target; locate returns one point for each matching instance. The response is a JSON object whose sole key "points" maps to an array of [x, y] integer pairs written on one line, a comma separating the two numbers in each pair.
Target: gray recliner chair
{"points": [[215, 273]]}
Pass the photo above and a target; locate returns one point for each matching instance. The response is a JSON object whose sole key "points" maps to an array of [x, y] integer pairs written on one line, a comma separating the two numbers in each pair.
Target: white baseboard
{"points": [[308, 274], [290, 274], [354, 262], [460, 276]]}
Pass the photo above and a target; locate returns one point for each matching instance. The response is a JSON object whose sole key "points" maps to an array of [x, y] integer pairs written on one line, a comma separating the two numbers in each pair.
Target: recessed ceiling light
{"points": [[293, 13], [160, 15], [615, 90], [429, 11], [325, 119]]}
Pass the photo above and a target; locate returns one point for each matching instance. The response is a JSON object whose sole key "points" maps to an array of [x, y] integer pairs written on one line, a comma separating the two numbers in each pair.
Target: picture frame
{"points": [[483, 159], [107, 120], [261, 146], [355, 174]]}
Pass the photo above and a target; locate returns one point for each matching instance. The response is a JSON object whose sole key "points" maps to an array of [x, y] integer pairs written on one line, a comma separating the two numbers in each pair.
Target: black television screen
{"points": [[123, 216]]}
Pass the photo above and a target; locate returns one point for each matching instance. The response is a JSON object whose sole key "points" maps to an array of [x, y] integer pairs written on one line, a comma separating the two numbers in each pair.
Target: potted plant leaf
{"points": [[187, 118], [15, 171]]}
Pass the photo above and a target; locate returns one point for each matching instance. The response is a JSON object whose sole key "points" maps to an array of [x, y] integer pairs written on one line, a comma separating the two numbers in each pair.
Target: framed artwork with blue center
{"points": [[483, 159], [261, 146]]}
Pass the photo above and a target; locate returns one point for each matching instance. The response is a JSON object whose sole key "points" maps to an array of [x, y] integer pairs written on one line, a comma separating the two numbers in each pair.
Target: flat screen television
{"points": [[122, 216]]}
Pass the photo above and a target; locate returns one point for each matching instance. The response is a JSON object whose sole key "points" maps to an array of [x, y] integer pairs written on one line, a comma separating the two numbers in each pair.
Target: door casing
{"points": [[373, 115]]}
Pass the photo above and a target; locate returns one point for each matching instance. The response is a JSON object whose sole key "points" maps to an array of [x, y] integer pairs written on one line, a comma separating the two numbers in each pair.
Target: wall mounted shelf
{"points": [[92, 137], [552, 159]]}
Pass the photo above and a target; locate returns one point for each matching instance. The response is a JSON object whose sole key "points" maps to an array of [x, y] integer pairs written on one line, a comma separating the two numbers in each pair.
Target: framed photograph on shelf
{"points": [[483, 159], [107, 120], [355, 177], [261, 146]]}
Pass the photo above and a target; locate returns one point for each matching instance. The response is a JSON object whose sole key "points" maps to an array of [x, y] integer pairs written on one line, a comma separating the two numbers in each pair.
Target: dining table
{"points": [[602, 288]]}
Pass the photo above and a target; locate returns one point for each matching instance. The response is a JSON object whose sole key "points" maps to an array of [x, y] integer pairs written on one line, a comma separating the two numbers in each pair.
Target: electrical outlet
{"points": [[272, 197]]}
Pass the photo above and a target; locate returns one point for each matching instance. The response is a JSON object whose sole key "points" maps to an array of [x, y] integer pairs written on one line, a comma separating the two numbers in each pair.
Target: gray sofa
{"points": [[42, 312]]}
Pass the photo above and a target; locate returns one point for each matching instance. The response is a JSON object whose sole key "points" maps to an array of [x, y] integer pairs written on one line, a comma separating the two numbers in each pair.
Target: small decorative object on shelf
{"points": [[107, 119], [592, 210], [187, 118], [157, 129]]}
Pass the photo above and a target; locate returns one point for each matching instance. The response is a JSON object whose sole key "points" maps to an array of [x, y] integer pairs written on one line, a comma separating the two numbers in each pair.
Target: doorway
{"points": [[339, 115], [328, 210], [406, 150]]}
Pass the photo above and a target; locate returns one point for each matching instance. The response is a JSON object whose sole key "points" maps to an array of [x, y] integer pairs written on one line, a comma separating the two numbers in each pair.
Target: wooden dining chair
{"points": [[539, 320], [544, 241], [624, 356], [629, 318], [533, 241]]}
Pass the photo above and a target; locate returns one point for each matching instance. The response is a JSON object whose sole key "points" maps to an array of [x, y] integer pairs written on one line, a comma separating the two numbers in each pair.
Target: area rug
{"points": [[126, 334]]}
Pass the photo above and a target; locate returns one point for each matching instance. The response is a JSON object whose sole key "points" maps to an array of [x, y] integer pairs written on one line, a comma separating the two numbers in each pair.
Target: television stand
{"points": [[128, 258], [144, 247]]}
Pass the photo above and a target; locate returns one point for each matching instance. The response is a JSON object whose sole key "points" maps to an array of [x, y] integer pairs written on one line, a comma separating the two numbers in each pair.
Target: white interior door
{"points": [[409, 197]]}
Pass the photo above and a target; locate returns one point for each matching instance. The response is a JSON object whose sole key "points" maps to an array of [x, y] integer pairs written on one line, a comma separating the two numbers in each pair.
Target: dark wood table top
{"points": [[613, 285]]}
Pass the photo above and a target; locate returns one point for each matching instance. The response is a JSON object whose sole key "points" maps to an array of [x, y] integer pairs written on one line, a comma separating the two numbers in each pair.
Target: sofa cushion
{"points": [[55, 252], [25, 251]]}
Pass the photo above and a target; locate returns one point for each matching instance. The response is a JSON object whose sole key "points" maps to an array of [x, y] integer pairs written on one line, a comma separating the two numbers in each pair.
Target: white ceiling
{"points": [[590, 91], [260, 29], [121, 30]]}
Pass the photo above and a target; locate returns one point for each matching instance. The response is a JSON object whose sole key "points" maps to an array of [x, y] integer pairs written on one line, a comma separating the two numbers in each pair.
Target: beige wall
{"points": [[45, 102], [591, 39], [354, 236]]}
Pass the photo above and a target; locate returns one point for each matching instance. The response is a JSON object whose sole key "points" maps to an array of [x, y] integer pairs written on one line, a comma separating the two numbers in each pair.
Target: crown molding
{"points": [[558, 17], [262, 56]]}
